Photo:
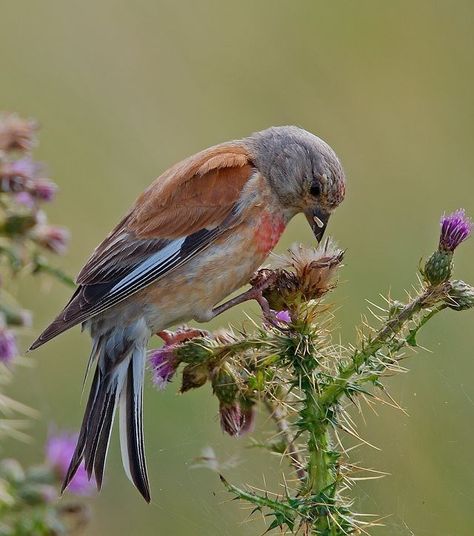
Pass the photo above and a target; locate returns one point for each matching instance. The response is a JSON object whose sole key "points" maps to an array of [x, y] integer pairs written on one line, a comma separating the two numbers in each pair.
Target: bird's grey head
{"points": [[302, 170]]}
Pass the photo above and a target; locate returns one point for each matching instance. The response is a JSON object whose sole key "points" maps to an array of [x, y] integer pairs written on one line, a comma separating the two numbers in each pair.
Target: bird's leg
{"points": [[255, 293]]}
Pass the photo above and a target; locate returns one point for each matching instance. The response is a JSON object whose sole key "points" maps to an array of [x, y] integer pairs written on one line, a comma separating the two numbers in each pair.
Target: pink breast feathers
{"points": [[270, 228]]}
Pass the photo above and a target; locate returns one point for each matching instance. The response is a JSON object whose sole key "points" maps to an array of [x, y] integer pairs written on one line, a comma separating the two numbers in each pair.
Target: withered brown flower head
{"points": [[315, 268], [17, 134], [303, 274]]}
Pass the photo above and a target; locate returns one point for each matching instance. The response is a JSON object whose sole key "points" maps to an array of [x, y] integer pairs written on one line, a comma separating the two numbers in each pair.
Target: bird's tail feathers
{"points": [[118, 381], [131, 426]]}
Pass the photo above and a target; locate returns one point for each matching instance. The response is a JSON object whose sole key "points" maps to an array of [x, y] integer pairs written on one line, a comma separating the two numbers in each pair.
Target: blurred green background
{"points": [[124, 89]]}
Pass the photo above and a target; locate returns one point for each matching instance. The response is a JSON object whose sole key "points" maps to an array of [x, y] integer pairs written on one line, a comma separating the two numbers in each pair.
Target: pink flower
{"points": [[25, 199], [59, 452], [284, 317], [23, 167], [54, 238], [163, 365], [44, 189], [455, 228], [8, 347]]}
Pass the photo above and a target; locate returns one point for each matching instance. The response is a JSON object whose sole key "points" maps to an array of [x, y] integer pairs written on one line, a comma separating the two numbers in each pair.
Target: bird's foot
{"points": [[259, 285], [182, 334]]}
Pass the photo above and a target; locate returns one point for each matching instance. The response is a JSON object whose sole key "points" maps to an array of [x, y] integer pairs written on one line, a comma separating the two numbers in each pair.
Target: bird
{"points": [[193, 237]]}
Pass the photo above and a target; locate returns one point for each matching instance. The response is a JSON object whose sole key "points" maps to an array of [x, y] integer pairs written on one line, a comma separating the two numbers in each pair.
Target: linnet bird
{"points": [[196, 235]]}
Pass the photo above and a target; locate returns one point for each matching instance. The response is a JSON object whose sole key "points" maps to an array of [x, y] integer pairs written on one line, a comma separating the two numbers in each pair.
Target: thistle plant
{"points": [[28, 495], [290, 367]]}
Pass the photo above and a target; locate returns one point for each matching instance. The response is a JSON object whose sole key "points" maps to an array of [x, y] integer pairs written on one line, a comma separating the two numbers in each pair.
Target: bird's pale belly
{"points": [[191, 291]]}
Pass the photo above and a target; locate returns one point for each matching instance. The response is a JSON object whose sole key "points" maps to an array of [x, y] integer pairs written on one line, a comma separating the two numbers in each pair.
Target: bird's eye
{"points": [[315, 189]]}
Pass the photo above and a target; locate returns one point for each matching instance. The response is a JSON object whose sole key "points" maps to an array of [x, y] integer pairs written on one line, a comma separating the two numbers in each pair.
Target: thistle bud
{"points": [[231, 418], [224, 384], [17, 224], [461, 296], [455, 228], [236, 415], [193, 352], [438, 267], [194, 376]]}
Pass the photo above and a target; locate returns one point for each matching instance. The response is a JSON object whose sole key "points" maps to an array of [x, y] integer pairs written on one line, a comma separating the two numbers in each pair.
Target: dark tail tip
{"points": [[144, 492]]}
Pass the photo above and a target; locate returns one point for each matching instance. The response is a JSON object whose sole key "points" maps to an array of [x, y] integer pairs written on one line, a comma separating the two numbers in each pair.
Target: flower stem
{"points": [[321, 466], [432, 295], [259, 500]]}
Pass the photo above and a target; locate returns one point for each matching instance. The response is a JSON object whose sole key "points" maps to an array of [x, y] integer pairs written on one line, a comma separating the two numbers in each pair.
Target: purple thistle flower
{"points": [[53, 238], [284, 317], [8, 347], [455, 228], [163, 364], [59, 452], [25, 199], [44, 189], [23, 168], [231, 418]]}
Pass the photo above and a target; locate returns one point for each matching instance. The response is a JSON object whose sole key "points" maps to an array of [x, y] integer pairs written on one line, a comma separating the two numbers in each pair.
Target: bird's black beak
{"points": [[318, 220]]}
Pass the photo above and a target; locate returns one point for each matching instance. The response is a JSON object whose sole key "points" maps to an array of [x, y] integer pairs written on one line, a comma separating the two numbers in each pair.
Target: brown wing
{"points": [[179, 215], [195, 194]]}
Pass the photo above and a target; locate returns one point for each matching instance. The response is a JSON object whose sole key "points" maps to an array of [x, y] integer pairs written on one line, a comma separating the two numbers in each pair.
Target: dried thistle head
{"points": [[17, 134], [303, 274], [315, 268]]}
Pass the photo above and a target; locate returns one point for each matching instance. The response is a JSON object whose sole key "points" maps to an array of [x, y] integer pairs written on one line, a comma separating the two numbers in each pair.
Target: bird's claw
{"points": [[182, 334]]}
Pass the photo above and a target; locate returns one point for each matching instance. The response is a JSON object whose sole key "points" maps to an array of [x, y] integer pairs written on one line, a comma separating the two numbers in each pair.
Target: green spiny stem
{"points": [[321, 465], [260, 501], [333, 392], [410, 340]]}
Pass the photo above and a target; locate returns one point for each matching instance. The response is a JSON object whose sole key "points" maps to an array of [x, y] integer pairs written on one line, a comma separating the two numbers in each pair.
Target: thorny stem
{"points": [[321, 472], [278, 414], [333, 392], [318, 506], [322, 463], [259, 500]]}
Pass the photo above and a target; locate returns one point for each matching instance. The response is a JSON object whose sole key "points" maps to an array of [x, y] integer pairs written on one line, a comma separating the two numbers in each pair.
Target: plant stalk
{"points": [[333, 392]]}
